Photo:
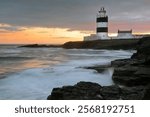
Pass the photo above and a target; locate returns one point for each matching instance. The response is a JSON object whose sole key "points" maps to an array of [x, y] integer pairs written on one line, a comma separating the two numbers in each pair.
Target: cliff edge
{"points": [[103, 44], [131, 77]]}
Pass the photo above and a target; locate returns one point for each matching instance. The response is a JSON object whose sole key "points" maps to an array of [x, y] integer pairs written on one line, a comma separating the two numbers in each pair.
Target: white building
{"points": [[125, 34], [92, 37], [102, 29]]}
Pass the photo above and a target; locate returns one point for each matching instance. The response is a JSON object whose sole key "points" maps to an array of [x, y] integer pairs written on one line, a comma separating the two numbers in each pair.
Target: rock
{"points": [[134, 71], [147, 61], [115, 92], [110, 92], [120, 62], [132, 93], [143, 50], [57, 94], [133, 74], [147, 93], [125, 71], [93, 91], [85, 91], [80, 91], [143, 72], [103, 44], [99, 68], [41, 46], [125, 76], [124, 62]]}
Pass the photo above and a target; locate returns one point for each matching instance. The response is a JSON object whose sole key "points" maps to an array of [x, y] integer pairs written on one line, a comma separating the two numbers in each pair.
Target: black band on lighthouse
{"points": [[102, 19], [102, 29]]}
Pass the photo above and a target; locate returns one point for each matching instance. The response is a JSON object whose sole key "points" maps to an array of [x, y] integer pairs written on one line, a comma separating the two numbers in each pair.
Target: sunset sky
{"points": [[58, 21]]}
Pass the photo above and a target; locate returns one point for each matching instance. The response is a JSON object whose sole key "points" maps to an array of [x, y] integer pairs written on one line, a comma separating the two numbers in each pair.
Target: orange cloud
{"points": [[39, 35]]}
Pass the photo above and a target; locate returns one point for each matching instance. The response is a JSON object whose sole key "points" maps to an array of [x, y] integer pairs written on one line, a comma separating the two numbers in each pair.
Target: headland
{"points": [[131, 77], [103, 44], [113, 44]]}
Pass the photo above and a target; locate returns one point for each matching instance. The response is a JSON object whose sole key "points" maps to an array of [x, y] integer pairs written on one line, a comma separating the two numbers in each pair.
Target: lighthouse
{"points": [[102, 29], [102, 24]]}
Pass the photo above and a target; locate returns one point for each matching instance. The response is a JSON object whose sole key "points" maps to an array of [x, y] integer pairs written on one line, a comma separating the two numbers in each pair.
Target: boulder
{"points": [[132, 93], [93, 91], [134, 71], [110, 92], [99, 68], [80, 91], [103, 44], [143, 49], [147, 93]]}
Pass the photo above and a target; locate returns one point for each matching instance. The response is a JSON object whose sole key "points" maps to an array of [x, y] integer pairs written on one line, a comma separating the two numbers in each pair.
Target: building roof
{"points": [[125, 31]]}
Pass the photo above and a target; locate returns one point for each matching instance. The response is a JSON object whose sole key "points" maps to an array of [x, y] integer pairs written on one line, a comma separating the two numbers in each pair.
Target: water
{"points": [[32, 73]]}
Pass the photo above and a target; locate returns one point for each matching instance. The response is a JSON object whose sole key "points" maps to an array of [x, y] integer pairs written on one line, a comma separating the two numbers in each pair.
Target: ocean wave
{"points": [[48, 69], [14, 58]]}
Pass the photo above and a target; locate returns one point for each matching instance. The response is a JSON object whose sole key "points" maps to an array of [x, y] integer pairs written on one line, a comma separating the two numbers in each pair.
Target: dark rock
{"points": [[143, 50], [143, 72], [132, 93], [110, 92], [125, 71], [93, 91], [134, 71], [147, 93], [147, 61], [56, 94], [80, 91], [120, 62], [41, 46], [124, 62], [103, 44], [133, 74], [125, 76], [99, 68], [115, 92]]}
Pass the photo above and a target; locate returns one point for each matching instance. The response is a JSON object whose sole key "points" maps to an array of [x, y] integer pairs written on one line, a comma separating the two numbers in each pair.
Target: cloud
{"points": [[10, 28], [72, 14], [40, 35]]}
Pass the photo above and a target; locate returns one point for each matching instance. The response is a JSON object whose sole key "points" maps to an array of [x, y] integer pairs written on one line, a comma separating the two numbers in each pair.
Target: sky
{"points": [[59, 21]]}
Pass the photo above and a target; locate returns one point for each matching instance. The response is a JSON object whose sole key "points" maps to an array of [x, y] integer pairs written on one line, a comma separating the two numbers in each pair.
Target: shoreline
{"points": [[114, 44], [131, 77], [40, 46]]}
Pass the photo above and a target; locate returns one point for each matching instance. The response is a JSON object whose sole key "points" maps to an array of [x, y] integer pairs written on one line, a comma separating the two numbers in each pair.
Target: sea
{"points": [[32, 73]]}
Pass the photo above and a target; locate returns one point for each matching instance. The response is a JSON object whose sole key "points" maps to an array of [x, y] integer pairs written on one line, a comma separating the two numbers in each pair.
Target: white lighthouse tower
{"points": [[102, 24]]}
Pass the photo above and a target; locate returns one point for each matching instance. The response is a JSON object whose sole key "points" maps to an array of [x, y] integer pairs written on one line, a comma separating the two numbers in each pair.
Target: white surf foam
{"points": [[38, 83]]}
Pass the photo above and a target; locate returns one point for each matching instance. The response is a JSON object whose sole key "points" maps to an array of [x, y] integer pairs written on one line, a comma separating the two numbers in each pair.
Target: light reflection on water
{"points": [[17, 59], [27, 64], [36, 71], [14, 59]]}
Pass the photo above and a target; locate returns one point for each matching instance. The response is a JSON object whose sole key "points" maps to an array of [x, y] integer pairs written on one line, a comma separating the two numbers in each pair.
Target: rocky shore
{"points": [[131, 78], [94, 91], [40, 46], [103, 44], [134, 71], [100, 44]]}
